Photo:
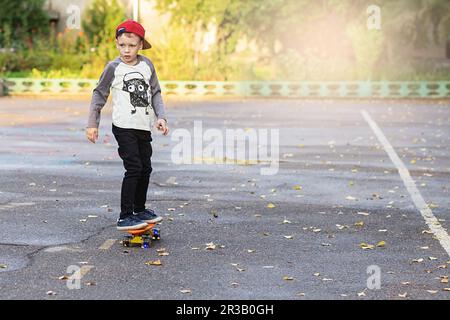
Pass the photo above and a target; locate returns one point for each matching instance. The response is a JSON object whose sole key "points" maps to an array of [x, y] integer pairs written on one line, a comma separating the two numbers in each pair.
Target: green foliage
{"points": [[101, 19], [253, 40], [21, 21], [99, 24]]}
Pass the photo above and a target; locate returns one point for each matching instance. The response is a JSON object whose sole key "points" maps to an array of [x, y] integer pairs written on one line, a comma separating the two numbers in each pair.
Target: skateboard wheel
{"points": [[156, 234], [146, 245]]}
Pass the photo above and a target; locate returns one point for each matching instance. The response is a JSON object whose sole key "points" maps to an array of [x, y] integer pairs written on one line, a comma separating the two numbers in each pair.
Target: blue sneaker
{"points": [[130, 223], [148, 215]]}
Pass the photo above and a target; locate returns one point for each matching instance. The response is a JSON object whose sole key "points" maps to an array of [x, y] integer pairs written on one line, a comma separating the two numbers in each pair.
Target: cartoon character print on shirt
{"points": [[134, 83]]}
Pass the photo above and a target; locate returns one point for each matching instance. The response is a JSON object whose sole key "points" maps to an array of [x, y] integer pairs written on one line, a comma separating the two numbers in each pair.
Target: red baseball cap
{"points": [[133, 27]]}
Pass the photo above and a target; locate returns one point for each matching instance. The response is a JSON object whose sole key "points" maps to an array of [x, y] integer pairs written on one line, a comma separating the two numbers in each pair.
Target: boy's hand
{"points": [[162, 126], [92, 134]]}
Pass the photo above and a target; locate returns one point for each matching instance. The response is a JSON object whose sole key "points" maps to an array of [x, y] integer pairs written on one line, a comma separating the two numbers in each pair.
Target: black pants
{"points": [[135, 149]]}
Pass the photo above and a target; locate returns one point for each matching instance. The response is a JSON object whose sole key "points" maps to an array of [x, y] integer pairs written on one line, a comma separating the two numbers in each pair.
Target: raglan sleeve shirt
{"points": [[123, 81], [157, 101], [100, 96]]}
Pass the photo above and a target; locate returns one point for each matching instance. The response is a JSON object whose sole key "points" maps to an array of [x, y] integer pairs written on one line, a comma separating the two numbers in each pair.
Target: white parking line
{"points": [[410, 185]]}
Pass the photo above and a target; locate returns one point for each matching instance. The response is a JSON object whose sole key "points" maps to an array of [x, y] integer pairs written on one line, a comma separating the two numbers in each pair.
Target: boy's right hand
{"points": [[92, 134]]}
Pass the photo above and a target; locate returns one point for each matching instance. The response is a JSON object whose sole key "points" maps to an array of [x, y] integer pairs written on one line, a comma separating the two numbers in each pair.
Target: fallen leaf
{"points": [[251, 251], [381, 244], [425, 248], [83, 220], [186, 291], [359, 224], [210, 246], [287, 278], [286, 221], [446, 289], [363, 213], [170, 209], [351, 198], [3, 266], [301, 294], [317, 274], [317, 230], [361, 294], [297, 187], [163, 254], [433, 206], [432, 291], [432, 258], [51, 293], [417, 260], [240, 269], [91, 283], [405, 283], [154, 263], [289, 237], [271, 206], [403, 295], [365, 246], [63, 277]]}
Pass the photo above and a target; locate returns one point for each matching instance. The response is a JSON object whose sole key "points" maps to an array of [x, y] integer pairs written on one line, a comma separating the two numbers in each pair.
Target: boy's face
{"points": [[129, 45]]}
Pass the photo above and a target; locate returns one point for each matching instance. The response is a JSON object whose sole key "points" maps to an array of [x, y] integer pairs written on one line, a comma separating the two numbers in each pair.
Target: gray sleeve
{"points": [[157, 102], [100, 95]]}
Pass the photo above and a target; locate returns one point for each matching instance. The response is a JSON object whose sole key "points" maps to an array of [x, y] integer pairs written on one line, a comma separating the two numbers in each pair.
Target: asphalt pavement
{"points": [[335, 221]]}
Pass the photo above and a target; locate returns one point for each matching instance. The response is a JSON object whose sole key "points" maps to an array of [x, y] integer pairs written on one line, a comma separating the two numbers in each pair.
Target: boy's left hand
{"points": [[162, 126]]}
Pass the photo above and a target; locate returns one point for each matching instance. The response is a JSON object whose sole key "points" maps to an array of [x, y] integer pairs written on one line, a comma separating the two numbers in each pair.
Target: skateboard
{"points": [[141, 237]]}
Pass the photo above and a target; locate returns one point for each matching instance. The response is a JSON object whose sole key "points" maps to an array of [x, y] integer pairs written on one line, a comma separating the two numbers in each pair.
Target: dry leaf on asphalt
{"points": [[359, 224], [210, 246], [365, 246], [361, 294], [403, 295], [271, 206], [154, 263], [287, 278], [185, 291], [289, 237], [381, 244]]}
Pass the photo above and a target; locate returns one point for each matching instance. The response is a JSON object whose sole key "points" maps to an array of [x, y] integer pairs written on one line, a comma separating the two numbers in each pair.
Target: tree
{"points": [[101, 19], [21, 21]]}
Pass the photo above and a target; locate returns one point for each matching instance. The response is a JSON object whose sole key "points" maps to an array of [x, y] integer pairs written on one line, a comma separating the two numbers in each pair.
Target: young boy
{"points": [[136, 99]]}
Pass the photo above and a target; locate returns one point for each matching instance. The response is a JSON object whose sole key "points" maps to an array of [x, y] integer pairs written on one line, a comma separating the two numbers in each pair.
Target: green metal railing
{"points": [[344, 89]]}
